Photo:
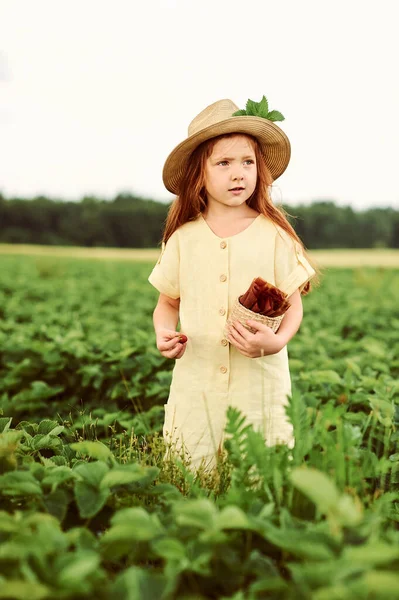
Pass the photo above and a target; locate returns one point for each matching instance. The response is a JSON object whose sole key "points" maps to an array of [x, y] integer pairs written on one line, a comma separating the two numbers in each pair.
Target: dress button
{"points": [[223, 370], [223, 245], [225, 342], [222, 311], [223, 278]]}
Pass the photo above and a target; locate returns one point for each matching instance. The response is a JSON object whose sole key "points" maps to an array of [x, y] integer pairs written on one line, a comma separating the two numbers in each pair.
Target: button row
{"points": [[222, 311]]}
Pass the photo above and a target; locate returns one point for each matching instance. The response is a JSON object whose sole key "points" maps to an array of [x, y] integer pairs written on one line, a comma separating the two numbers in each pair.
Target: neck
{"points": [[218, 211]]}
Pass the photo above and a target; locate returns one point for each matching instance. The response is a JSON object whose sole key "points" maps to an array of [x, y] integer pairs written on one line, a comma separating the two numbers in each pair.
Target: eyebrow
{"points": [[219, 158]]}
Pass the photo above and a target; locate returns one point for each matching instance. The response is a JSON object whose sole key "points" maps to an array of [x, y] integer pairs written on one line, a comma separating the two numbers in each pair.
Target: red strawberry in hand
{"points": [[182, 339]]}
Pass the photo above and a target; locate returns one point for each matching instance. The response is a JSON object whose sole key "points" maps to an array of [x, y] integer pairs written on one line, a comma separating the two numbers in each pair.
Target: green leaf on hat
{"points": [[252, 108], [259, 109], [275, 115], [263, 107]]}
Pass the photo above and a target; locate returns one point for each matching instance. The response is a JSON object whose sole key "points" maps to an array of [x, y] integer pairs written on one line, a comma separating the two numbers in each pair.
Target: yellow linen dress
{"points": [[208, 273]]}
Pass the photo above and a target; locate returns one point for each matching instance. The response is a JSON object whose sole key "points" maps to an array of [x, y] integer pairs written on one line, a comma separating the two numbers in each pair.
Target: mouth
{"points": [[236, 189]]}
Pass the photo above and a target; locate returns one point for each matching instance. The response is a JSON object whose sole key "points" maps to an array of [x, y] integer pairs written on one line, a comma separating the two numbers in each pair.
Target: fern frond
{"points": [[296, 411]]}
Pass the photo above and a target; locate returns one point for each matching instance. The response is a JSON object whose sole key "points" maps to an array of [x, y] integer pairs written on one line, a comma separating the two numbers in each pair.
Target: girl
{"points": [[221, 232]]}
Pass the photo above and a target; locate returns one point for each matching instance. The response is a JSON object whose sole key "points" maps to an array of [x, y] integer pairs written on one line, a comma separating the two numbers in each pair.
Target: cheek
{"points": [[212, 180], [208, 182]]}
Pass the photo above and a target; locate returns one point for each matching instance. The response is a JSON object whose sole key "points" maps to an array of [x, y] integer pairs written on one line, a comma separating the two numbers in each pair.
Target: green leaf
{"points": [[335, 592], [298, 415], [169, 549], [259, 109], [48, 441], [83, 564], [252, 108], [304, 544], [21, 590], [92, 473], [327, 376], [128, 474], [56, 503], [55, 476], [275, 115], [316, 486], [383, 410], [5, 424], [133, 524], [7, 522], [263, 107], [196, 513], [47, 426], [372, 554], [381, 583], [232, 517], [29, 428], [93, 449], [137, 583], [90, 500], [353, 366], [20, 483], [319, 488], [347, 513], [82, 538]]}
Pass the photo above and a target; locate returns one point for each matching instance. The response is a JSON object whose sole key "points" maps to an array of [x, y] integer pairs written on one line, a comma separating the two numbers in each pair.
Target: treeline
{"points": [[132, 222]]}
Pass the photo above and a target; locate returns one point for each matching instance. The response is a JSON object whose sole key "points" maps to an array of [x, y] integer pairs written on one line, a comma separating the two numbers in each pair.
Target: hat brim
{"points": [[275, 147]]}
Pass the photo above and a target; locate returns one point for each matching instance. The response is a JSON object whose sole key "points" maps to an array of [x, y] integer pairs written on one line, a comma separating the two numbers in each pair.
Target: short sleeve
{"points": [[291, 269], [165, 275]]}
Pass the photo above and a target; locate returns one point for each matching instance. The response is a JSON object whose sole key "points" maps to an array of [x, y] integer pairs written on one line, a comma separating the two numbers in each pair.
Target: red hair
{"points": [[192, 198]]}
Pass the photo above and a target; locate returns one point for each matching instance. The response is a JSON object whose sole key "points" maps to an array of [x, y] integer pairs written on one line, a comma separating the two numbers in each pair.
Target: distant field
{"points": [[325, 258], [140, 255]]}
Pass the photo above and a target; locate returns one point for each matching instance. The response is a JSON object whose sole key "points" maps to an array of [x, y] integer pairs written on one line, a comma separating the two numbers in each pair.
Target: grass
{"points": [[336, 257]]}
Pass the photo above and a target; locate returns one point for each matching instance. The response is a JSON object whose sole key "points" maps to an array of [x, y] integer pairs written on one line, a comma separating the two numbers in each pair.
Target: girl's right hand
{"points": [[169, 345]]}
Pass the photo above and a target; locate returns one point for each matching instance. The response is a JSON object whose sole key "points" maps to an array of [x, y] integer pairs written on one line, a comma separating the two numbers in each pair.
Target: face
{"points": [[230, 172]]}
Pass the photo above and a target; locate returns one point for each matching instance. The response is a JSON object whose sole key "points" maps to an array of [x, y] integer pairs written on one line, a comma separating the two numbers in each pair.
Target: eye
{"points": [[249, 161], [222, 162]]}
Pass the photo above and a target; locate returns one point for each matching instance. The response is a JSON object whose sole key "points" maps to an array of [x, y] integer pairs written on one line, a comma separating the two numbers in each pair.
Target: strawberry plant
{"points": [[91, 507]]}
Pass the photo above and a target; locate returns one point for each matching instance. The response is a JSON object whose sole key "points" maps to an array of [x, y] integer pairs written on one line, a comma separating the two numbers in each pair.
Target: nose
{"points": [[238, 178]]}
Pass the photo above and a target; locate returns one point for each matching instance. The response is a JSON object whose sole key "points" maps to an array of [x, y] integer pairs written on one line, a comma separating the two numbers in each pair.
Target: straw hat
{"points": [[217, 119]]}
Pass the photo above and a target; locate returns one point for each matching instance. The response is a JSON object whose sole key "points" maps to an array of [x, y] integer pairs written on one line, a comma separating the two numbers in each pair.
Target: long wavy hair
{"points": [[192, 198]]}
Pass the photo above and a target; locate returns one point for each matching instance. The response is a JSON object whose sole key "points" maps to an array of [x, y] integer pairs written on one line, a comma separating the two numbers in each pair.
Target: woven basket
{"points": [[242, 314]]}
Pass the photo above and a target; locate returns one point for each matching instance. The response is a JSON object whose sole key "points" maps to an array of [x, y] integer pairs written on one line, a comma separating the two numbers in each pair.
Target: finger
{"points": [[243, 351], [235, 340], [165, 346], [182, 351], [258, 326], [244, 333], [261, 328], [172, 353], [239, 347]]}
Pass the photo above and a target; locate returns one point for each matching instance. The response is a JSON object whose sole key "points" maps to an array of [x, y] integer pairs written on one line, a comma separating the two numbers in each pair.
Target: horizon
{"points": [[141, 198]]}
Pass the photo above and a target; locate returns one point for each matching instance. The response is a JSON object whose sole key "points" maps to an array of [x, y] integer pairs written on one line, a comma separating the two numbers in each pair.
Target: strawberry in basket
{"points": [[265, 299], [262, 302]]}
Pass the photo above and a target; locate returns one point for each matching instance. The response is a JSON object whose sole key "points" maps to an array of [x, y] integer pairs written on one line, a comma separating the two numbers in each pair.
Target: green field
{"points": [[90, 508], [382, 257]]}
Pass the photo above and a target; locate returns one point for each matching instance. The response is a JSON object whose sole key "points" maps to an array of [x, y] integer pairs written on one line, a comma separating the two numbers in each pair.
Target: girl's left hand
{"points": [[254, 345]]}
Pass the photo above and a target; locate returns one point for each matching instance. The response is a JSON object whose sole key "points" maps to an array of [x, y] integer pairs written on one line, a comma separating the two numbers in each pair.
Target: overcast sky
{"points": [[94, 94]]}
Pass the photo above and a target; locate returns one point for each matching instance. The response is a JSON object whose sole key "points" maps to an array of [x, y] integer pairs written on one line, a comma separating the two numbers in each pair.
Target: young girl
{"points": [[222, 231]]}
